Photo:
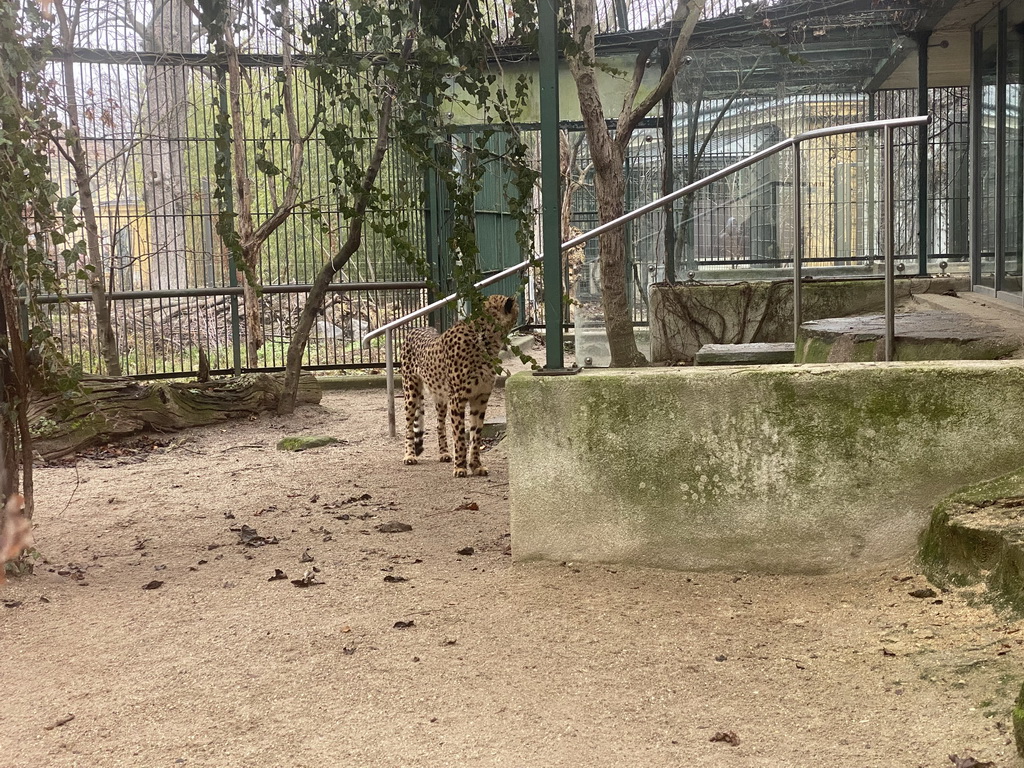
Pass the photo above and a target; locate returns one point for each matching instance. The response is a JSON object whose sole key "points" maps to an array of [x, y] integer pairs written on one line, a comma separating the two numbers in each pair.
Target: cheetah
{"points": [[458, 369]]}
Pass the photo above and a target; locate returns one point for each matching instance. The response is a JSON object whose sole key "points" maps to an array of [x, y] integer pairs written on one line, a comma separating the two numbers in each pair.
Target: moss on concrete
{"points": [[780, 468]]}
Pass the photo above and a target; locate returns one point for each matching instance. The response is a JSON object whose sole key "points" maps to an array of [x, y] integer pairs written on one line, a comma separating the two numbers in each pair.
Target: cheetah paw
{"points": [[445, 458], [410, 460], [481, 471], [459, 472]]}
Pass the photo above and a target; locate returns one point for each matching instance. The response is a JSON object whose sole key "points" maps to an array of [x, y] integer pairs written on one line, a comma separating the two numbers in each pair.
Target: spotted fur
{"points": [[458, 369]]}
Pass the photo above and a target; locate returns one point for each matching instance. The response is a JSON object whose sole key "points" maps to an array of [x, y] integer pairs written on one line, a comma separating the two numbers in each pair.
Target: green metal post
{"points": [[229, 204], [550, 183]]}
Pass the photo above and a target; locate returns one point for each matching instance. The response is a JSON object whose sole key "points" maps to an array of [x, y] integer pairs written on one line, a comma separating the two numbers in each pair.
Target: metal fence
{"points": [[745, 221], [148, 92]]}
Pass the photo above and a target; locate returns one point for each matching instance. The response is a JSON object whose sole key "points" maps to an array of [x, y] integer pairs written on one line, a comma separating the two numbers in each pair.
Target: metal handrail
{"points": [[888, 125]]}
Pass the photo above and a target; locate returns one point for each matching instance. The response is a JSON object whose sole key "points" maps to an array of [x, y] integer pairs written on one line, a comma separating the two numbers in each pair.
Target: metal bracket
{"points": [[557, 371]]}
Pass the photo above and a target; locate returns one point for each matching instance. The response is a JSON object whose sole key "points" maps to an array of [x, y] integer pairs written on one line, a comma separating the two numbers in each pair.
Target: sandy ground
{"points": [[407, 653]]}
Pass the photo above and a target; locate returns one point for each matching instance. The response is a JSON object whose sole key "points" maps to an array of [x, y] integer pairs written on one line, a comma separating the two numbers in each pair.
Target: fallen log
{"points": [[112, 408]]}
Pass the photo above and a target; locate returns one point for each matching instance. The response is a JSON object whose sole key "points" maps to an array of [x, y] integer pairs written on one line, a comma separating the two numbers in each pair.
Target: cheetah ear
{"points": [[510, 302]]}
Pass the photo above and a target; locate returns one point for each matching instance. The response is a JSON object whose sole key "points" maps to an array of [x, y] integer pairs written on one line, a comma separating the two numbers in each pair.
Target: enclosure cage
{"points": [[148, 89]]}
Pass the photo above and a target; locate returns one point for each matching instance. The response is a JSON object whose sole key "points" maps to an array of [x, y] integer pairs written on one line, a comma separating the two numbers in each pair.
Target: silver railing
{"points": [[888, 197]]}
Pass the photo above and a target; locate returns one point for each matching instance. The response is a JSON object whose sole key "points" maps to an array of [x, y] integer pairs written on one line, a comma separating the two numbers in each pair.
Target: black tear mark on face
{"points": [[509, 303]]}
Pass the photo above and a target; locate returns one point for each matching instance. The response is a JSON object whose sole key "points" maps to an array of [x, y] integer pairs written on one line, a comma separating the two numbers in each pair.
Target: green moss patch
{"points": [[304, 443]]}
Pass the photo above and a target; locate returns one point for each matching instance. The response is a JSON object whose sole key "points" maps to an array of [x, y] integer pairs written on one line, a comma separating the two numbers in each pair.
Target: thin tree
{"points": [[608, 152], [76, 155]]}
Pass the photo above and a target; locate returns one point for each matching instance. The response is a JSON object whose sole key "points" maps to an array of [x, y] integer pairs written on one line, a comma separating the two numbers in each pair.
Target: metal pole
{"points": [[655, 205], [550, 183], [923, 240], [668, 173], [890, 239], [389, 369], [798, 243]]}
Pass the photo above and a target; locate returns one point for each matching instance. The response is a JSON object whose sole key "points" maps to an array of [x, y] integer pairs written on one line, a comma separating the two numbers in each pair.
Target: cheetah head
{"points": [[504, 309]]}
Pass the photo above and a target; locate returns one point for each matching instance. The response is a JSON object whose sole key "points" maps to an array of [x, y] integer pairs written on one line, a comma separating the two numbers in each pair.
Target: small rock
{"points": [[154, 584], [466, 551], [923, 593]]}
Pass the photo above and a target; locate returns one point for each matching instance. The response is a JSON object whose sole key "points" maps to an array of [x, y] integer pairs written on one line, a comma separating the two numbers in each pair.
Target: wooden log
{"points": [[113, 408]]}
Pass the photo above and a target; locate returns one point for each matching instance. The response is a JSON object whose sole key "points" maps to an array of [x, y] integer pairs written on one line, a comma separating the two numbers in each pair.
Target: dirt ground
{"points": [[406, 652]]}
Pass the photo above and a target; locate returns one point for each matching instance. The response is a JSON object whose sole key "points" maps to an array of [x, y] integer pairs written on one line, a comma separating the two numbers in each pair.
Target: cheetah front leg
{"points": [[442, 428], [477, 409], [413, 388], [457, 412]]}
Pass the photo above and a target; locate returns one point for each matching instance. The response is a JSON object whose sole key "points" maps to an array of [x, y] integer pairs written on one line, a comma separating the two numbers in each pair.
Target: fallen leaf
{"points": [[278, 575], [249, 537], [970, 762], [394, 527], [60, 721], [729, 737], [404, 624], [470, 505], [154, 584], [887, 652], [308, 580], [305, 557], [922, 593], [465, 551], [394, 579]]}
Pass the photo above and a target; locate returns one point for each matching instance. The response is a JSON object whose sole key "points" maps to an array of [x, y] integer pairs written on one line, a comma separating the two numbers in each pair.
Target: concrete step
{"points": [[745, 354]]}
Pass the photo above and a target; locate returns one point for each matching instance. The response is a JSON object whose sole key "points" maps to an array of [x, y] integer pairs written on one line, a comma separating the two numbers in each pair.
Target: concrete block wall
{"points": [[791, 468]]}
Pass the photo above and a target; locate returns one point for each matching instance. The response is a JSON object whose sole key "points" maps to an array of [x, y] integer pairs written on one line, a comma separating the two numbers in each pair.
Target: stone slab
{"points": [[745, 354]]}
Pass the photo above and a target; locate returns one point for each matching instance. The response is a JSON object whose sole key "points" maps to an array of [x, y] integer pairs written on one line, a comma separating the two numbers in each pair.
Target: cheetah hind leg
{"points": [[413, 419], [457, 414]]}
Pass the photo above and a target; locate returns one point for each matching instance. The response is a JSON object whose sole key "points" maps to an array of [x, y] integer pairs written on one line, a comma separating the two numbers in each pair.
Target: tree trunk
{"points": [[253, 320], [9, 460], [83, 179], [608, 154], [113, 408], [165, 190], [610, 187], [14, 433]]}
